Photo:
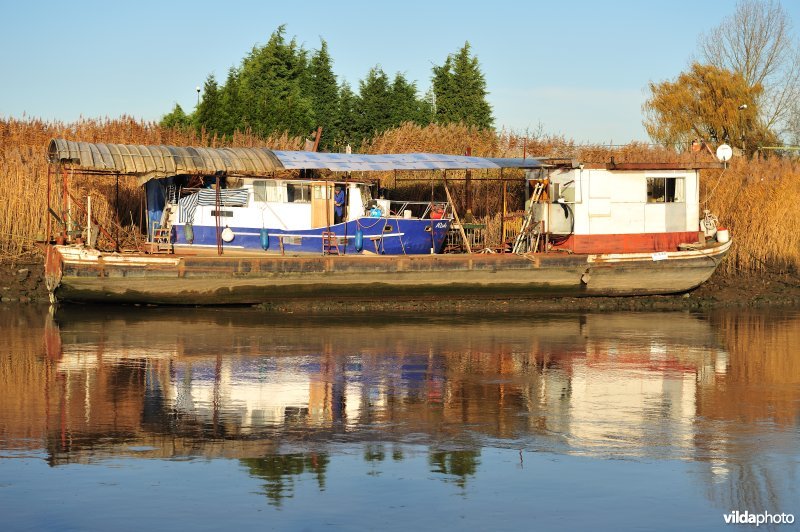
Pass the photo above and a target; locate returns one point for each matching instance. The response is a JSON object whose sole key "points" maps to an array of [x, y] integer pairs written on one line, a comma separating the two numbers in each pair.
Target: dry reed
{"points": [[24, 175], [756, 199]]}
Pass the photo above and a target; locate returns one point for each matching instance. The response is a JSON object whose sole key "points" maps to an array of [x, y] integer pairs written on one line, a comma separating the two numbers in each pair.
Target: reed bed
{"points": [[756, 198], [760, 348], [24, 175]]}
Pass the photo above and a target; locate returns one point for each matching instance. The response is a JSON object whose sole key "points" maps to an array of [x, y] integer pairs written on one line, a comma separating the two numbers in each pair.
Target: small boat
{"points": [[586, 230]]}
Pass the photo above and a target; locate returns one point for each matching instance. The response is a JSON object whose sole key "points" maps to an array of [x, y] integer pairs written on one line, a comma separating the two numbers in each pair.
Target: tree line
{"points": [[281, 87]]}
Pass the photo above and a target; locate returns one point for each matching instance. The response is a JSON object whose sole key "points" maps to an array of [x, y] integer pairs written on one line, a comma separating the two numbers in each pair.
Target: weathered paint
{"points": [[626, 243], [254, 278]]}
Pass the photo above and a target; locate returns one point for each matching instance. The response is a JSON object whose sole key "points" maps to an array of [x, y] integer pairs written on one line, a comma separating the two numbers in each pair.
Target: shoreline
{"points": [[22, 282]]}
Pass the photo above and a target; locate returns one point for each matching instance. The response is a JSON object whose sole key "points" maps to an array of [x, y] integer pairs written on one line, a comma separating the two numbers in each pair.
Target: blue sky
{"points": [[574, 68]]}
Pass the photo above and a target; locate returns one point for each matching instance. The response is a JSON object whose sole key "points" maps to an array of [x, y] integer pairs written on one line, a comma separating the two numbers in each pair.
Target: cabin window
{"points": [[298, 193], [265, 191], [665, 189], [321, 192]]}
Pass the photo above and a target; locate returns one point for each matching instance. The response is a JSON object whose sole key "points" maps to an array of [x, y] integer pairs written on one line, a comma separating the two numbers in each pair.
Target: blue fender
{"points": [[359, 243], [264, 239]]}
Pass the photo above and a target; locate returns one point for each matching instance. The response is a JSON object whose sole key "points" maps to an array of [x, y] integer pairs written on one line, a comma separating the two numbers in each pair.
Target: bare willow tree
{"points": [[757, 42]]}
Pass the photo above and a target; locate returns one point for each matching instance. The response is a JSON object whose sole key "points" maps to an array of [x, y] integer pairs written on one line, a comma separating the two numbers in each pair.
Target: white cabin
{"points": [[284, 204], [597, 210]]}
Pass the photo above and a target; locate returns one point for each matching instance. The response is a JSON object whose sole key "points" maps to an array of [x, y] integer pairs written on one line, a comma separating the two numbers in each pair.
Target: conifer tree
{"points": [[230, 114], [271, 88], [459, 89], [406, 107], [324, 94], [208, 112], [347, 117], [176, 119], [374, 104]]}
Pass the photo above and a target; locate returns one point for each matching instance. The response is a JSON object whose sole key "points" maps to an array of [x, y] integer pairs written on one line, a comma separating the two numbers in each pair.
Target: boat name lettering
{"points": [[222, 214], [441, 225], [661, 255]]}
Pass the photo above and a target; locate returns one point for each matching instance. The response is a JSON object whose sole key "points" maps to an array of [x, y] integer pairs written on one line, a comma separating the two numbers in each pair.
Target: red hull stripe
{"points": [[627, 243]]}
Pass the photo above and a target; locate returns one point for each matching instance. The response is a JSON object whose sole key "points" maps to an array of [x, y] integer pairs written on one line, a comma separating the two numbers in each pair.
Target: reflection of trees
{"points": [[459, 464], [374, 452], [280, 470]]}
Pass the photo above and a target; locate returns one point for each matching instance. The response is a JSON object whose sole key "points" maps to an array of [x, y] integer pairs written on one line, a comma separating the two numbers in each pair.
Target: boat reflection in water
{"points": [[288, 397]]}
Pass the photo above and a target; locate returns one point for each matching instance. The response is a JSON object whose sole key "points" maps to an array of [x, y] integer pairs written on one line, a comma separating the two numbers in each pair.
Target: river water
{"points": [[208, 419]]}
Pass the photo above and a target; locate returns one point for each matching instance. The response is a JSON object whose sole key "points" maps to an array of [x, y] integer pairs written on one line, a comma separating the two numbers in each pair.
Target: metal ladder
{"points": [[529, 229]]}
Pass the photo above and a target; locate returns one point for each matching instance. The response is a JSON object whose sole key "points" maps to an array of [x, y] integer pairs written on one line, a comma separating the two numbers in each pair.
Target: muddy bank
{"points": [[22, 281], [718, 292]]}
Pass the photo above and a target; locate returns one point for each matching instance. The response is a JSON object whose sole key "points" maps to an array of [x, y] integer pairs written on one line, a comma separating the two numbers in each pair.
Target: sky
{"points": [[574, 68]]}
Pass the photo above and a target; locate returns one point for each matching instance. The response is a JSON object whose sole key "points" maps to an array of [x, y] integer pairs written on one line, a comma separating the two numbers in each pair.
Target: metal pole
{"points": [[217, 203], [119, 219], [468, 188], [88, 221], [49, 209], [503, 217]]}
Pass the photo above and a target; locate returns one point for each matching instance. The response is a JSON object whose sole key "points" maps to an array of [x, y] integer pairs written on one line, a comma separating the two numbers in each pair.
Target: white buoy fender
{"points": [[227, 234]]}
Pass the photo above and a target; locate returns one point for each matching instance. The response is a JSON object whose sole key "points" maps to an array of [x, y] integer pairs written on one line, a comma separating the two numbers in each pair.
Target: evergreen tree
{"points": [[176, 119], [405, 105], [324, 94], [374, 104], [230, 107], [347, 117], [459, 88], [271, 88], [208, 114]]}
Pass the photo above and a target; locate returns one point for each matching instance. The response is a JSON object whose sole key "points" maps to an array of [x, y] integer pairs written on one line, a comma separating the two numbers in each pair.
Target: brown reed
{"points": [[755, 198], [24, 174]]}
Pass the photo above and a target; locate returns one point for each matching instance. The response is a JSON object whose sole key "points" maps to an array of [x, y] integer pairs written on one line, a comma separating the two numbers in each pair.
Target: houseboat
{"points": [[297, 216], [260, 233]]}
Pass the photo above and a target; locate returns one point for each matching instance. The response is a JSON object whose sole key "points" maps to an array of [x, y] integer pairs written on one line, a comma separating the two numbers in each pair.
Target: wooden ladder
{"points": [[162, 233], [528, 223], [330, 243]]}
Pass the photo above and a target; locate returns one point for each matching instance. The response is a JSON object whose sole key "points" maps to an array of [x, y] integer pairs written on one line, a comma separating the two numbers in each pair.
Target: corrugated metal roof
{"points": [[153, 162]]}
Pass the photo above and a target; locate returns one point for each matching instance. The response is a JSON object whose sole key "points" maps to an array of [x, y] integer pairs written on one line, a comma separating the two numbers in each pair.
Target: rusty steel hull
{"points": [[80, 274]]}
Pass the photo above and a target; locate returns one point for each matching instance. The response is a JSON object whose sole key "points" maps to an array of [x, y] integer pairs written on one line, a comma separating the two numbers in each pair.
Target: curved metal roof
{"points": [[154, 162]]}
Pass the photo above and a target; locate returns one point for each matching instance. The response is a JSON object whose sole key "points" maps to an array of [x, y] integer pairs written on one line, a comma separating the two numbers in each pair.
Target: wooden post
{"points": [[455, 213]]}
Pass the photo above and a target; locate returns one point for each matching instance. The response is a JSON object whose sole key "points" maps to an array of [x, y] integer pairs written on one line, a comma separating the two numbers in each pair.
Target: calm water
{"points": [[153, 419]]}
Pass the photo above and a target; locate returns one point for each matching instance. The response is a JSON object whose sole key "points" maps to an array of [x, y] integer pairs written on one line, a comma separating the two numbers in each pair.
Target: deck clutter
{"points": [[247, 225]]}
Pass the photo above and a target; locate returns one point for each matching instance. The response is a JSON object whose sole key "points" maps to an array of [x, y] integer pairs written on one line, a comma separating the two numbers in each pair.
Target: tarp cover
{"points": [[154, 162]]}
